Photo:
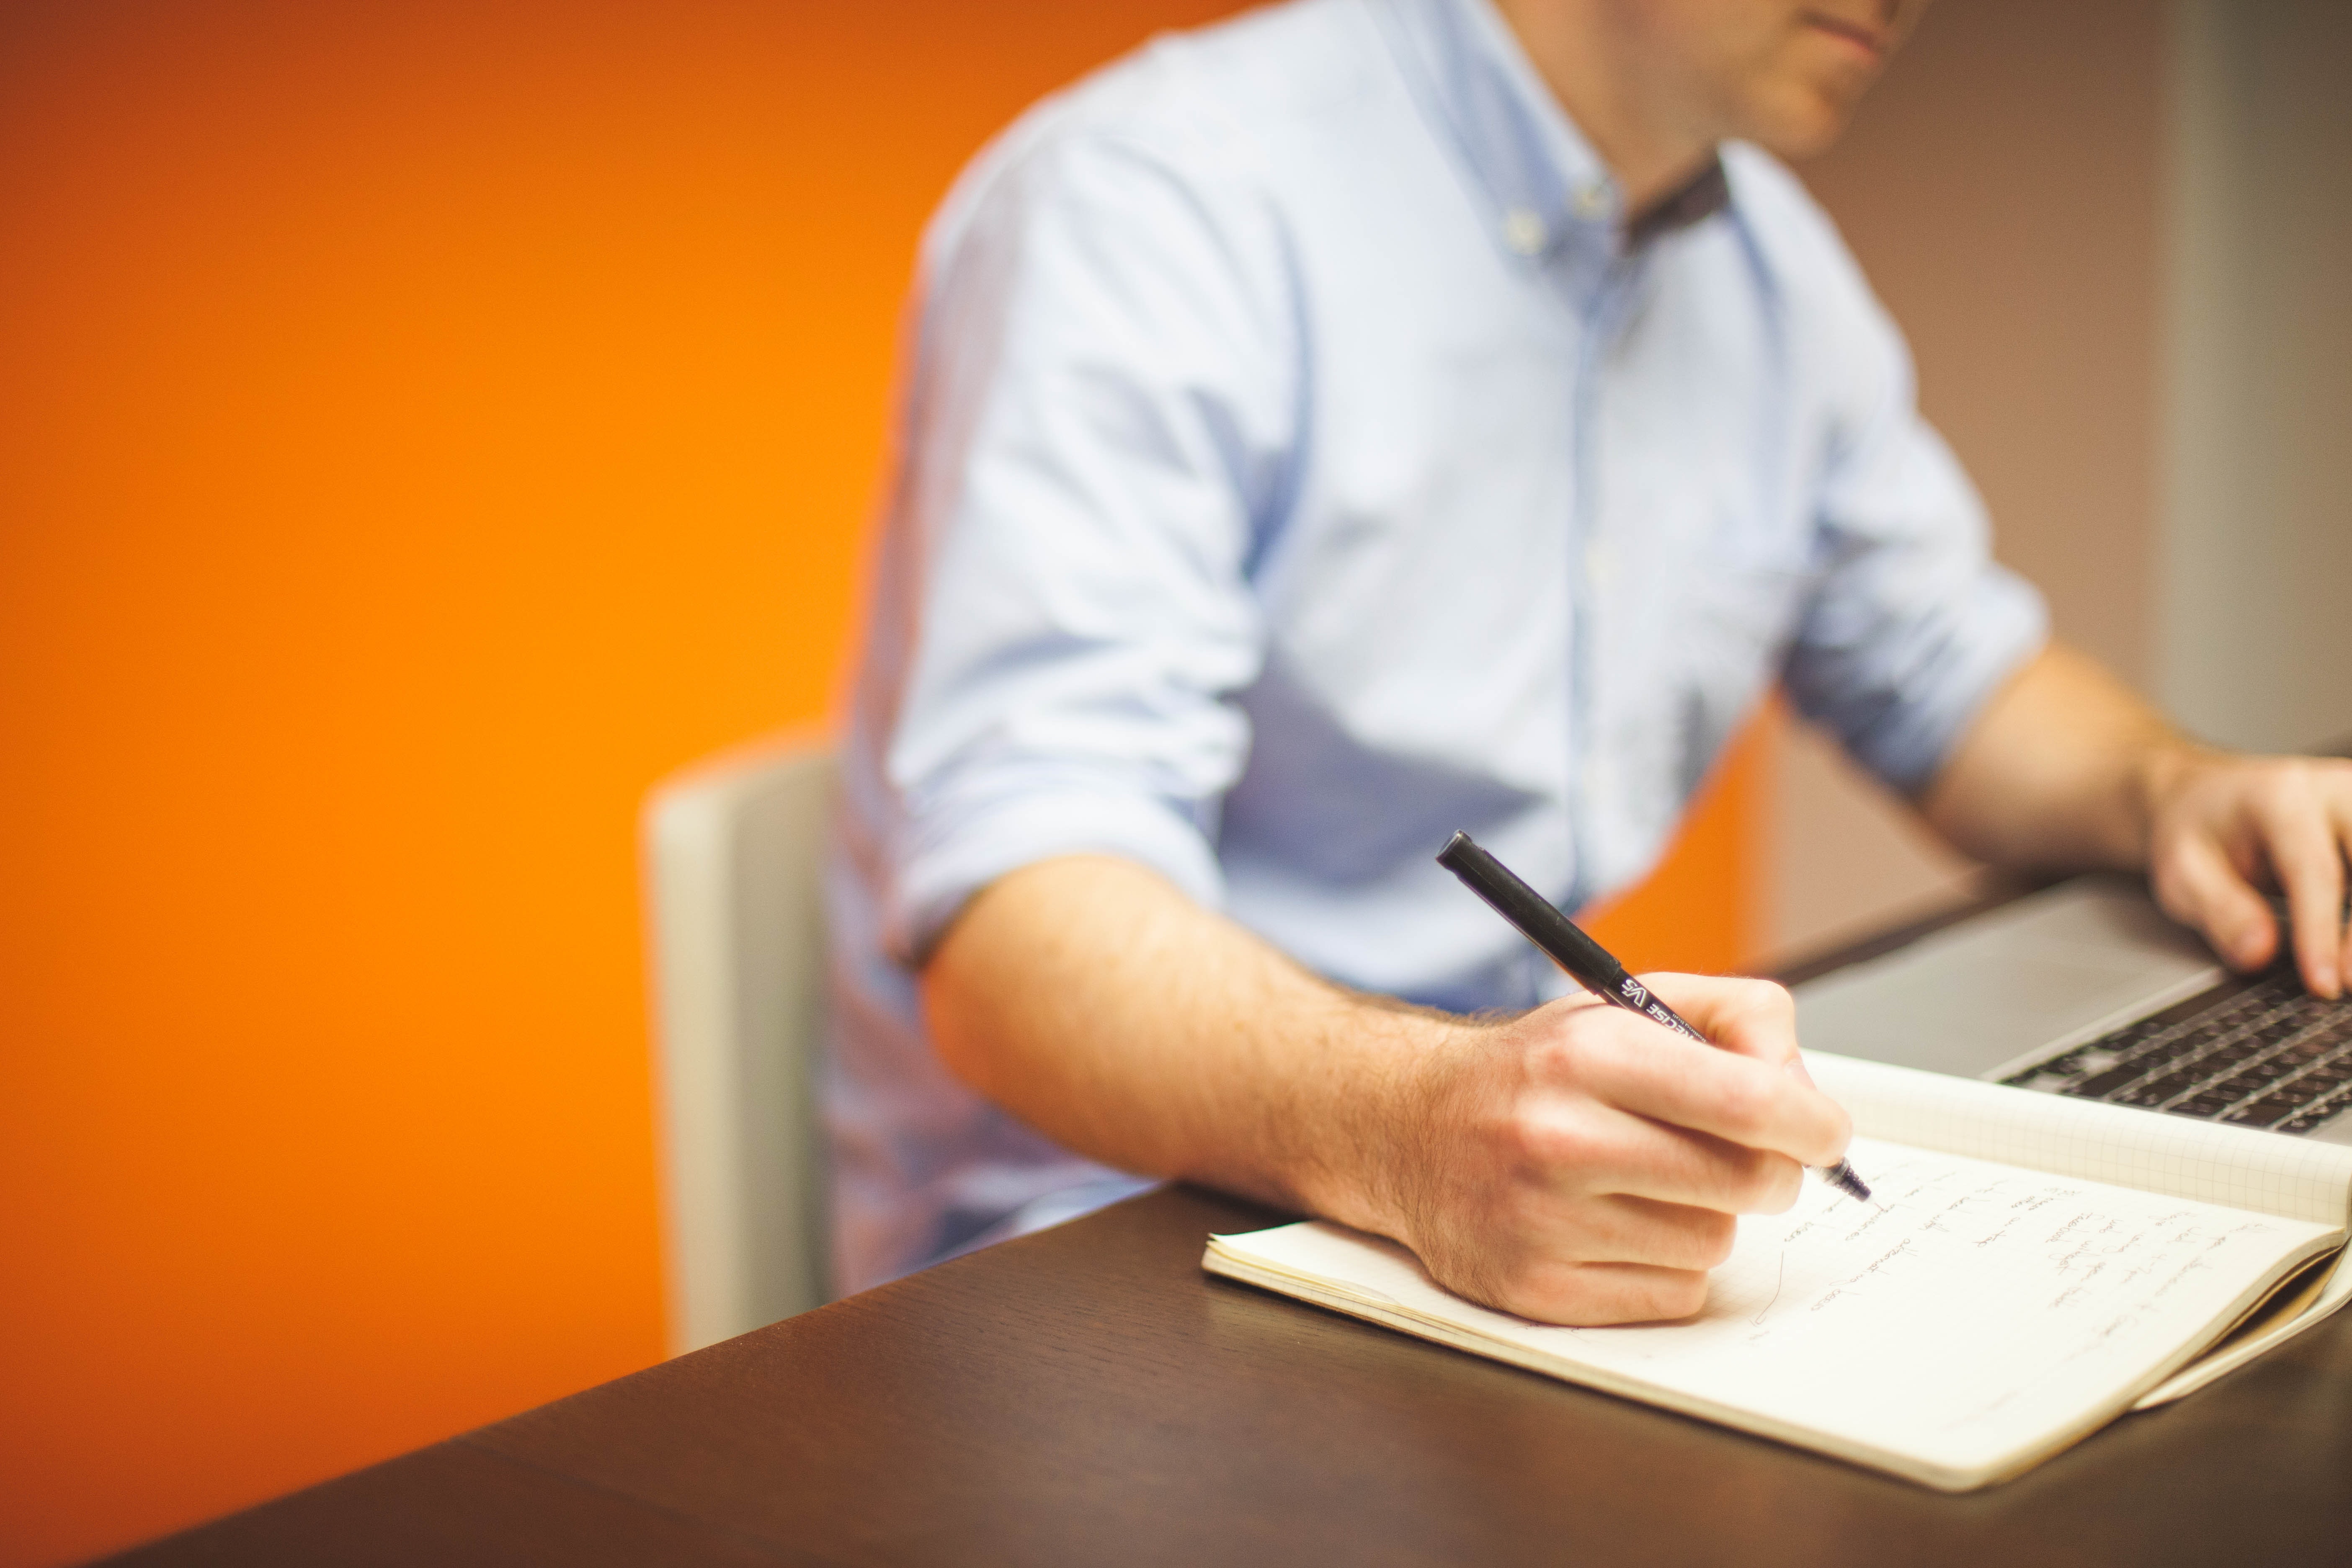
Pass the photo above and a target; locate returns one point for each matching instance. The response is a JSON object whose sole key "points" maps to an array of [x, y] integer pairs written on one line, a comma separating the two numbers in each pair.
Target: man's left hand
{"points": [[2066, 768], [2224, 829]]}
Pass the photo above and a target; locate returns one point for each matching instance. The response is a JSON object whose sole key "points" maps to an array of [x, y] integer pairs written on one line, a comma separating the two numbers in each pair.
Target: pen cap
{"points": [[1533, 913]]}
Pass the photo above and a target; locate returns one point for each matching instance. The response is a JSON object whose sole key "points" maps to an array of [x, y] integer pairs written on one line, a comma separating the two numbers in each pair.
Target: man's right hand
{"points": [[1580, 1164]]}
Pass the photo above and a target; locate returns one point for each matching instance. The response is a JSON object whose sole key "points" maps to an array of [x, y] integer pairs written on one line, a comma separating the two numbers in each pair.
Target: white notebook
{"points": [[2033, 1267]]}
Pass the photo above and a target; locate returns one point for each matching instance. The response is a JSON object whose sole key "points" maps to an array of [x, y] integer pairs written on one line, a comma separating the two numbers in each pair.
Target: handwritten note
{"points": [[1976, 1316], [1973, 1290]]}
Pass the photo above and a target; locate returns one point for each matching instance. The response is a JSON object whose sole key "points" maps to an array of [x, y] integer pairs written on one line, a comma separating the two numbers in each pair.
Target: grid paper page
{"points": [[2267, 1172], [1974, 1318], [2335, 1292]]}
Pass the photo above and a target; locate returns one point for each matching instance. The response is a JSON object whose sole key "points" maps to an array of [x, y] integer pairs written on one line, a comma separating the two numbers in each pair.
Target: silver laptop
{"points": [[2087, 989]]}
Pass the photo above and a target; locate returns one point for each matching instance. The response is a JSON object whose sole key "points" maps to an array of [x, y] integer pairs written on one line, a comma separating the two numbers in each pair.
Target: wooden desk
{"points": [[1087, 1395]]}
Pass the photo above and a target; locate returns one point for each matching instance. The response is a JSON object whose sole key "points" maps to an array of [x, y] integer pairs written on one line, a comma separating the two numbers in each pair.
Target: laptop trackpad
{"points": [[1988, 996]]}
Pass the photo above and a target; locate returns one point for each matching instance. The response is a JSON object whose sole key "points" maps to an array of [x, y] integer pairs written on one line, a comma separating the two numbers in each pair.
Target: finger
{"points": [[2301, 842], [2198, 886], [1595, 1295], [1585, 1147], [1706, 1172], [2335, 791], [1688, 1085], [1624, 1228], [1748, 1017], [2339, 814]]}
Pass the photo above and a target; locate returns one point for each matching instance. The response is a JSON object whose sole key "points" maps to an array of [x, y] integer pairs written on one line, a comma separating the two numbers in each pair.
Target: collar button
{"points": [[1524, 231]]}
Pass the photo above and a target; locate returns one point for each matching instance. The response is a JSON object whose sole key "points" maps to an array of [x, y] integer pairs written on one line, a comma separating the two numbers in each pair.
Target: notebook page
{"points": [[2334, 1294], [2177, 1155], [1983, 1316]]}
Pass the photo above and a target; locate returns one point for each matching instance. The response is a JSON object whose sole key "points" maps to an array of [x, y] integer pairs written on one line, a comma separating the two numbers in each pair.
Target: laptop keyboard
{"points": [[2273, 1055]]}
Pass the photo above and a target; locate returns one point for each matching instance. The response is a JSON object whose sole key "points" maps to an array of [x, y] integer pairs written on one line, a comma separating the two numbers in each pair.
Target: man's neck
{"points": [[1649, 154]]}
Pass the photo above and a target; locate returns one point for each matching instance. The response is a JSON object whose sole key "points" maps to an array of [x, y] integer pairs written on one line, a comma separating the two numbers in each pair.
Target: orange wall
{"points": [[422, 424], [1703, 909]]}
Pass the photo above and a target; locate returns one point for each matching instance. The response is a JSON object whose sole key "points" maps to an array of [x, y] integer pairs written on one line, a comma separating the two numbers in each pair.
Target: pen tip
{"points": [[1842, 1178]]}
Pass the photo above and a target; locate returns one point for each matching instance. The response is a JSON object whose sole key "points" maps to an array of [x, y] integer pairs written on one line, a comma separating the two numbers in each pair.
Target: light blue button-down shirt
{"points": [[1298, 463]]}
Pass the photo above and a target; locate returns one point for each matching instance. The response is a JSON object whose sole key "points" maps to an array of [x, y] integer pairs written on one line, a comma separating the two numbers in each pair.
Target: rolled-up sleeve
{"points": [[1914, 626], [1096, 428]]}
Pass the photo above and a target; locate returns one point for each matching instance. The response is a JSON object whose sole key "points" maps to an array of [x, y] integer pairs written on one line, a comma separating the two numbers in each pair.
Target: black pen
{"points": [[1584, 958]]}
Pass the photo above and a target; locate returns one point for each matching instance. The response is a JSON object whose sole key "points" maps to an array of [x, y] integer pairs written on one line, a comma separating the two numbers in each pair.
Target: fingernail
{"points": [[1797, 1065]]}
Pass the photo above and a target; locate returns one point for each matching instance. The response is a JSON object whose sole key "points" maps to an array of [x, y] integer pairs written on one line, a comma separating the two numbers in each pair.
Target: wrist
{"points": [[1384, 1114], [2165, 767]]}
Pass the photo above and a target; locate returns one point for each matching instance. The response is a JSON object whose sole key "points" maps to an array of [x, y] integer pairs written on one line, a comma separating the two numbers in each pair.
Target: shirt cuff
{"points": [[957, 851], [1907, 744]]}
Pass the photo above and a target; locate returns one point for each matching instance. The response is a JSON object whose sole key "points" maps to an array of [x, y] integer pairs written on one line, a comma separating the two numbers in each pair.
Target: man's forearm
{"points": [[1102, 1007], [2059, 772], [1574, 1164]]}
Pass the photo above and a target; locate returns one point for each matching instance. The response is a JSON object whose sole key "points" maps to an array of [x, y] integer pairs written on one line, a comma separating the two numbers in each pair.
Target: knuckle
{"points": [[1553, 1058], [1563, 1052], [1522, 1134], [1762, 1014], [1550, 1143], [1778, 1003]]}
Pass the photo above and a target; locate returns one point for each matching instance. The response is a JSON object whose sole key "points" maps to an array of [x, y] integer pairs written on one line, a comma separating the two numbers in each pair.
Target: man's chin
{"points": [[1803, 122]]}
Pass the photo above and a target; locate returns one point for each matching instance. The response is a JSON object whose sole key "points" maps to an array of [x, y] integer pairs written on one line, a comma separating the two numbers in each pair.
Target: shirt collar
{"points": [[1543, 184]]}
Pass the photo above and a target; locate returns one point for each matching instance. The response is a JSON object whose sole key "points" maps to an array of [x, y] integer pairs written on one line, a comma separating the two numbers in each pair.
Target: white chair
{"points": [[733, 848]]}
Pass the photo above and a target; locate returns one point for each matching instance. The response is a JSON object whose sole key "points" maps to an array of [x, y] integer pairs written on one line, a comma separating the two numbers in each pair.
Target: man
{"points": [[1371, 418]]}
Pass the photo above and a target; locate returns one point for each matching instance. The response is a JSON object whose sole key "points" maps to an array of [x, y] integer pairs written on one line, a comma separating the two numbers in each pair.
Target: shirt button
{"points": [[1591, 199], [1524, 231]]}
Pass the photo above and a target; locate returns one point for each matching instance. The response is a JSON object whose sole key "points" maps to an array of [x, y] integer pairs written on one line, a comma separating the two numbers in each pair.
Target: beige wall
{"points": [[2002, 187], [2255, 588]]}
